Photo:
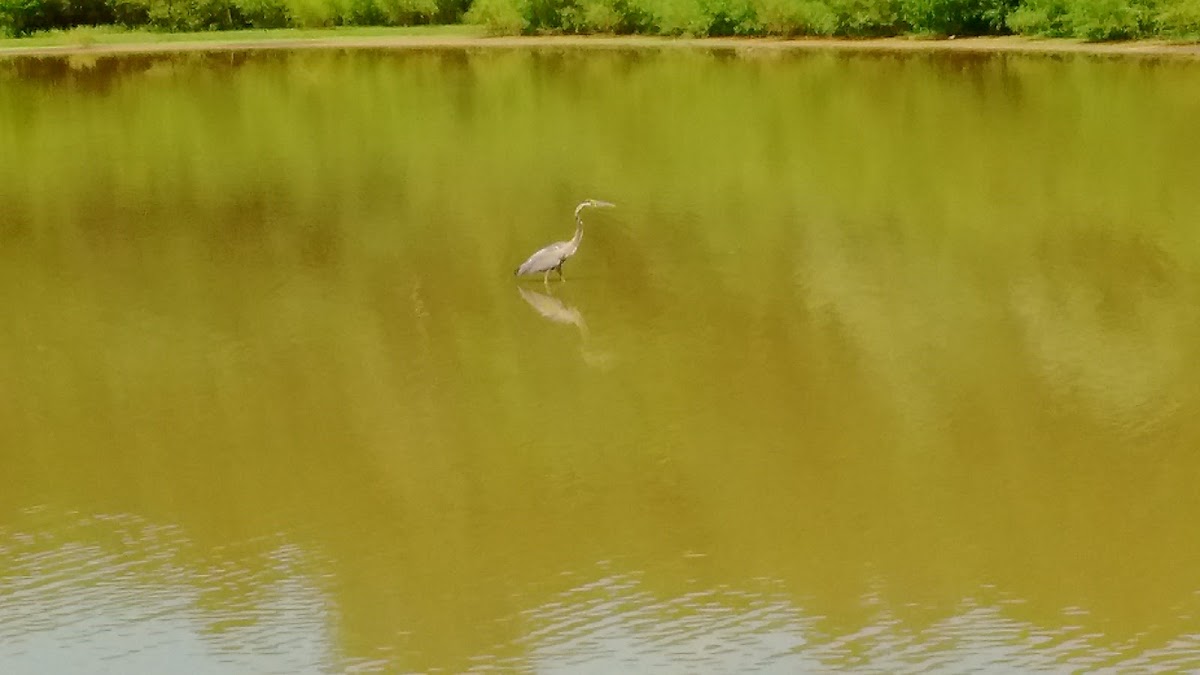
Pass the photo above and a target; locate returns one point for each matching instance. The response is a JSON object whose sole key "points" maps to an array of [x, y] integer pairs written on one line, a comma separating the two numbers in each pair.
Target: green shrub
{"points": [[1089, 19], [956, 17], [130, 13], [865, 18], [675, 17], [592, 16], [178, 15], [1095, 19], [263, 13], [21, 17], [362, 13], [1047, 18], [730, 17], [87, 13], [408, 12], [450, 11], [609, 16], [500, 17], [1178, 19], [694, 17], [1106, 19], [544, 14], [601, 16], [315, 13], [795, 17], [701, 17]]}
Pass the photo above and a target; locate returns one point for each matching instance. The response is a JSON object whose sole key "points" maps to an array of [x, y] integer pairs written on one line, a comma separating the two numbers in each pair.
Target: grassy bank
{"points": [[1084, 19]]}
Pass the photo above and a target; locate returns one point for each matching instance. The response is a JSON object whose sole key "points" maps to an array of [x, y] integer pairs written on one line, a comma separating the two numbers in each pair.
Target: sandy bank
{"points": [[980, 44]]}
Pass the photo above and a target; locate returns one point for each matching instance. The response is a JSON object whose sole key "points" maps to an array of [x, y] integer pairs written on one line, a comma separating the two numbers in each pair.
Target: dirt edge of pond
{"points": [[962, 45]]}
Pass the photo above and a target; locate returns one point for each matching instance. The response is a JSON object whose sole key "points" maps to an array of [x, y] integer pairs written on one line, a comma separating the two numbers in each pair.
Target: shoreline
{"points": [[255, 41]]}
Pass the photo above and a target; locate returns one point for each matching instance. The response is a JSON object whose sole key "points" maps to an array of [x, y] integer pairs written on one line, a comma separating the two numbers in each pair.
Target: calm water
{"points": [[882, 364]]}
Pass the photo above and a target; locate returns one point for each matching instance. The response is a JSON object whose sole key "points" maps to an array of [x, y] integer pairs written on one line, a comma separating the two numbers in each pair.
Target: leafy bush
{"points": [[674, 17], [544, 14], [450, 11], [20, 17], [699, 17], [130, 13], [1106, 19], [730, 17], [956, 17], [362, 13], [408, 12], [503, 17], [314, 13], [263, 13], [795, 17], [1047, 18], [176, 15], [87, 12], [694, 17], [1178, 19], [1089, 19], [865, 18], [593, 16]]}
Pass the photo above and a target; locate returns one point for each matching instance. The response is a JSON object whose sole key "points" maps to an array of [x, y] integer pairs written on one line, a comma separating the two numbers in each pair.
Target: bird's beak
{"points": [[606, 204]]}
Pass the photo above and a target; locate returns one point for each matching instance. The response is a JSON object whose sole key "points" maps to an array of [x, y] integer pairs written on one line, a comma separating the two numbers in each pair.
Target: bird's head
{"points": [[594, 203]]}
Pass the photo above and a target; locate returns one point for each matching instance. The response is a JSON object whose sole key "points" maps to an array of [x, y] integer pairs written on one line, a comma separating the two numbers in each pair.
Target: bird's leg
{"points": [[560, 274], [546, 279]]}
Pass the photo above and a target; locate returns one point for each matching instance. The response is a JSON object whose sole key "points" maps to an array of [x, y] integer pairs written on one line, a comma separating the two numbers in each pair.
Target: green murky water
{"points": [[883, 363]]}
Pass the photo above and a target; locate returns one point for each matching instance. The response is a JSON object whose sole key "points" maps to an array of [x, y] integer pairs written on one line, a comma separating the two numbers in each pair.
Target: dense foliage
{"points": [[20, 17], [1090, 19]]}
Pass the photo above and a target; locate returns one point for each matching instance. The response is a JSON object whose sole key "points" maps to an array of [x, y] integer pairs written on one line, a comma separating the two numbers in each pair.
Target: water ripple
{"points": [[112, 593], [611, 625]]}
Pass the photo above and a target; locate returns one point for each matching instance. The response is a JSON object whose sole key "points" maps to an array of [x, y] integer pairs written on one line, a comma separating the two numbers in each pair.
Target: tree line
{"points": [[1088, 19]]}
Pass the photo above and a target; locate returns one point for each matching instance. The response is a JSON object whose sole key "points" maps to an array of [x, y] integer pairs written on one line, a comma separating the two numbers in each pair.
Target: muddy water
{"points": [[881, 363]]}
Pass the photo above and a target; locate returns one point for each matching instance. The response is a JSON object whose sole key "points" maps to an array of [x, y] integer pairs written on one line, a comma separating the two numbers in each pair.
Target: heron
{"points": [[551, 258]]}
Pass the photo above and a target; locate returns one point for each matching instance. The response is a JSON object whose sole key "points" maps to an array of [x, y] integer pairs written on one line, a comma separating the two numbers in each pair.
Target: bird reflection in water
{"points": [[557, 311]]}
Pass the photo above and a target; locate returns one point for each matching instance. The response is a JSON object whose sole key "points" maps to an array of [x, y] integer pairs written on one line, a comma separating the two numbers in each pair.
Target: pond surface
{"points": [[883, 363]]}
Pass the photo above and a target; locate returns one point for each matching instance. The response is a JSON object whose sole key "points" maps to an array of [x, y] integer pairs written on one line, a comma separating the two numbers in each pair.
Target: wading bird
{"points": [[552, 257]]}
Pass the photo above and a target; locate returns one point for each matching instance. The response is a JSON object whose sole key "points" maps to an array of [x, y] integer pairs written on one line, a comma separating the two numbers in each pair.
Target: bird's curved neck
{"points": [[578, 230]]}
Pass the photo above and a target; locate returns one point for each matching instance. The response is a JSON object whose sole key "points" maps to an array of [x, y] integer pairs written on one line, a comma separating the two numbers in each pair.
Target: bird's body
{"points": [[550, 258]]}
